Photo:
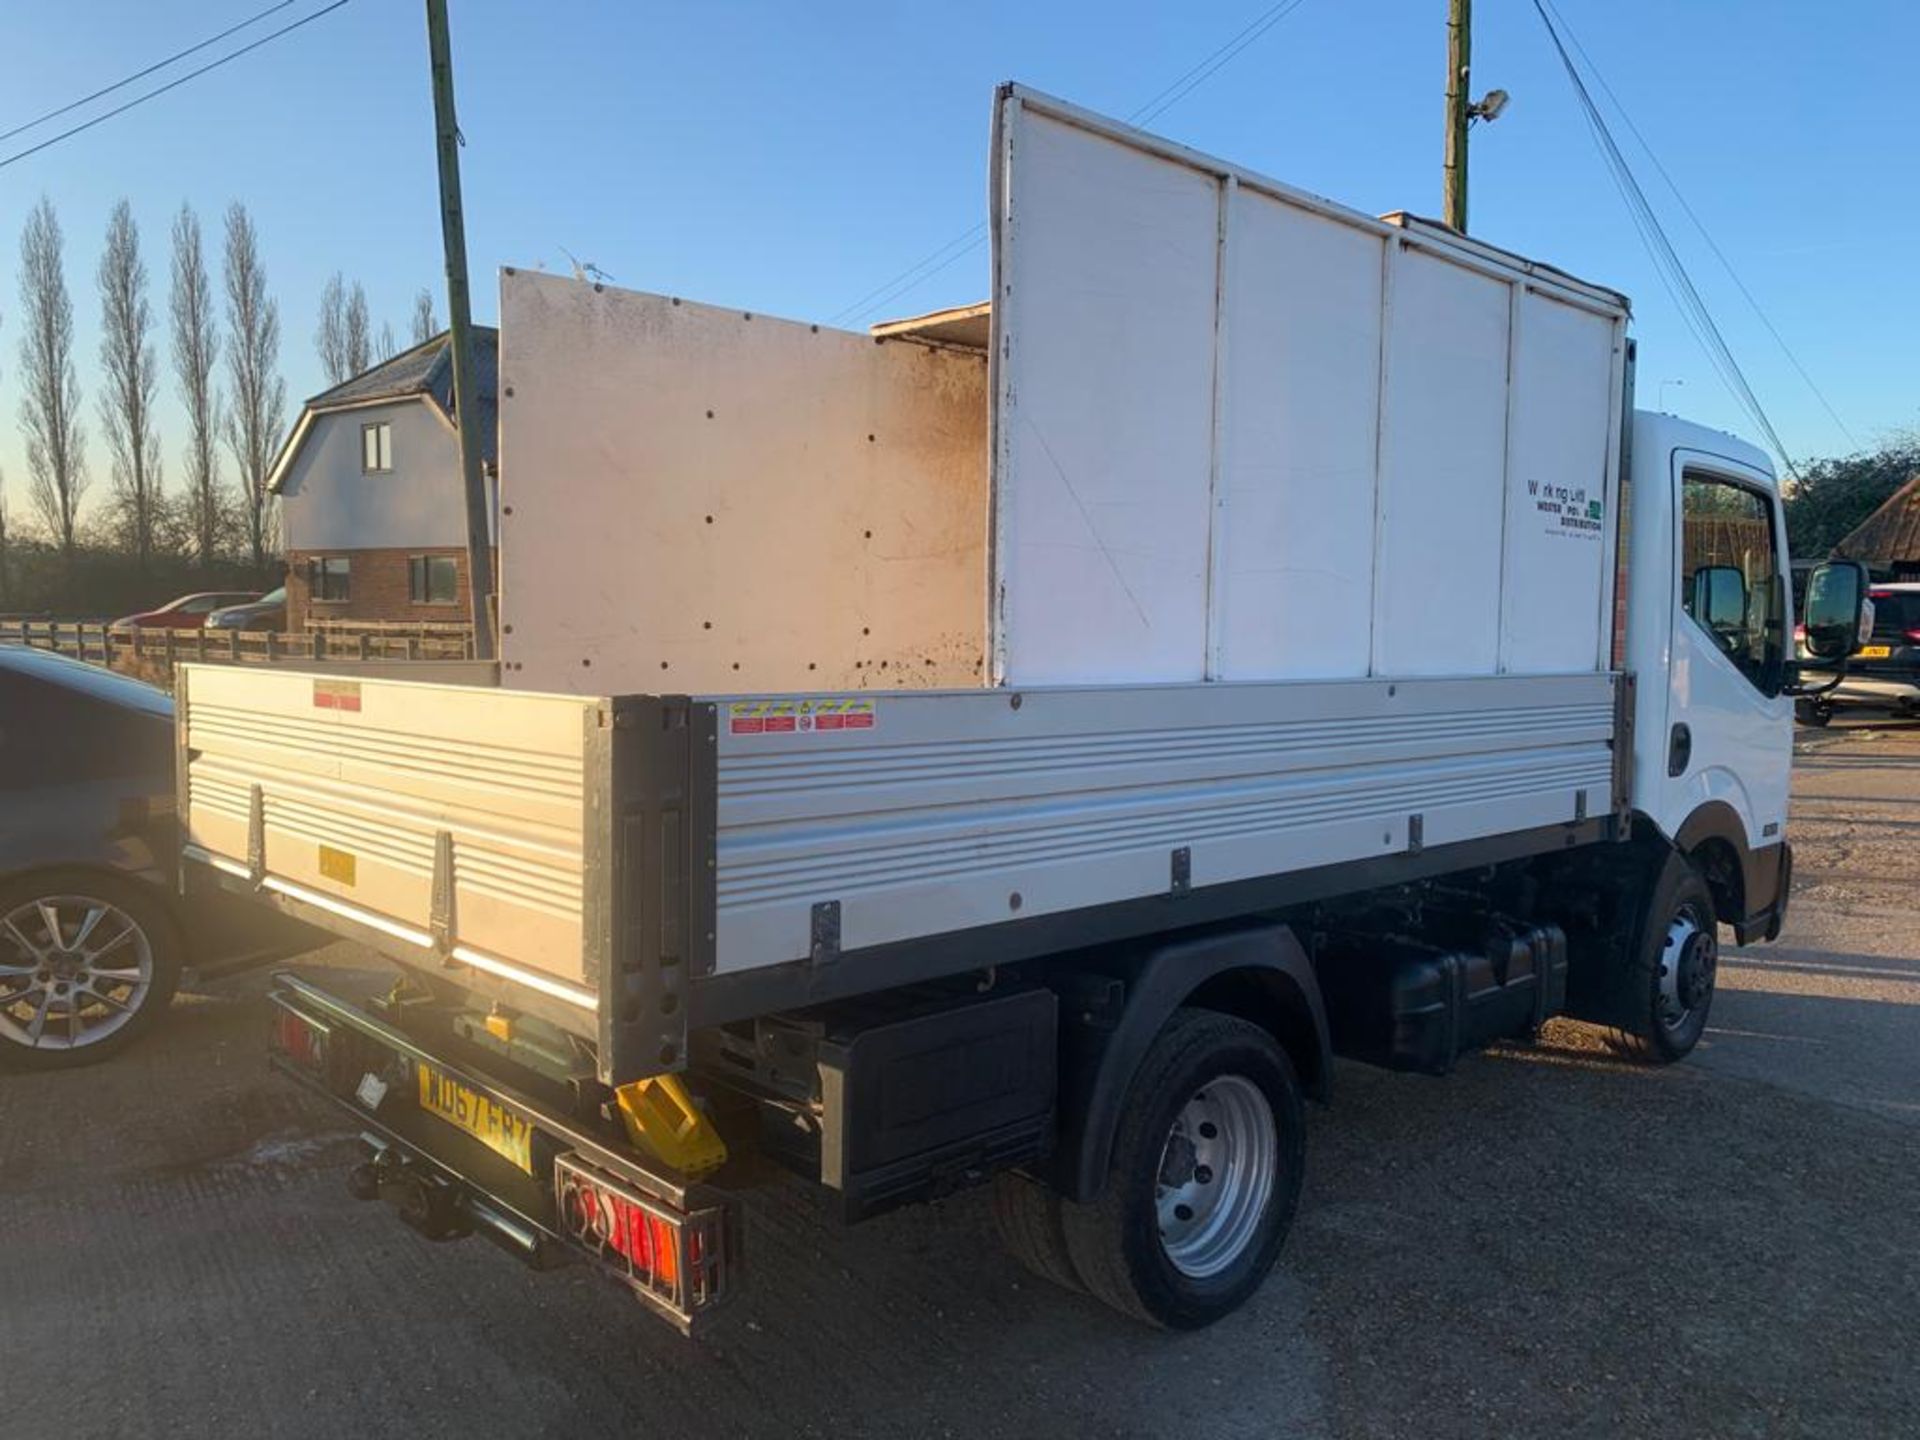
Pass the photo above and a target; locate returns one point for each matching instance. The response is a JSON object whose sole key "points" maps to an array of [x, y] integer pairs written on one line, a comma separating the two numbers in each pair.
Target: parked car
{"points": [[93, 932], [269, 612], [1884, 673], [189, 612]]}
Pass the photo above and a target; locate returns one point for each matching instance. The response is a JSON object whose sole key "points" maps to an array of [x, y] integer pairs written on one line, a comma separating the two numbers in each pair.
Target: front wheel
{"points": [[87, 962], [1668, 987], [1204, 1178]]}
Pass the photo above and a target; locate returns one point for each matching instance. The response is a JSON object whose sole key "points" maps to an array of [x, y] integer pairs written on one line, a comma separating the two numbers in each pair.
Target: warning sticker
{"points": [[336, 695], [1567, 510], [793, 716]]}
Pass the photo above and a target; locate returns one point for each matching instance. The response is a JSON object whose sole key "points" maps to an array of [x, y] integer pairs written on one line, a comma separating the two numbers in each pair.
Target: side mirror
{"points": [[1839, 615], [1719, 597]]}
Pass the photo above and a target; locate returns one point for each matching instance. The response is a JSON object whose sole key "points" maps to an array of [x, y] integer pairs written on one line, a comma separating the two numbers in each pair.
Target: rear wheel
{"points": [[87, 962], [1027, 1214], [1668, 987], [1204, 1178]]}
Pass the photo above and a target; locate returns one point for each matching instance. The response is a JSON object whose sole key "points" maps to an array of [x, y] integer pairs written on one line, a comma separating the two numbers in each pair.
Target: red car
{"points": [[189, 612]]}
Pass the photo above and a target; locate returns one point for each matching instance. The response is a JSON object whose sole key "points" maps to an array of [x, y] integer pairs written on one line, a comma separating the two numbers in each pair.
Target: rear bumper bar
{"points": [[447, 1183]]}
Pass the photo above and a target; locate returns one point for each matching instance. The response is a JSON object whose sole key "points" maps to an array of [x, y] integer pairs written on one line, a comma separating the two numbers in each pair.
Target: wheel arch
{"points": [[1258, 973]]}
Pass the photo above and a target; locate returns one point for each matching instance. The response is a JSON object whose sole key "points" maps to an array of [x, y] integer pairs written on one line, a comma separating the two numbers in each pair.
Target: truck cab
{"points": [[1709, 633]]}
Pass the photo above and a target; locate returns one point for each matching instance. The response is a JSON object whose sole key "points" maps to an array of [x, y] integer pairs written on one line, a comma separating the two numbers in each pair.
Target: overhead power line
{"points": [[142, 74], [973, 236], [173, 84], [1700, 225], [1667, 263]]}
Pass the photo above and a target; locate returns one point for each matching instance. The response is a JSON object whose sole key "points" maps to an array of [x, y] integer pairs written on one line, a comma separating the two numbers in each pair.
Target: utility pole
{"points": [[1459, 110], [453, 232]]}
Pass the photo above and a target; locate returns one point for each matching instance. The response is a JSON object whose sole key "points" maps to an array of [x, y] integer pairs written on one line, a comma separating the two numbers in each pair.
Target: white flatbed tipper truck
{"points": [[1025, 744]]}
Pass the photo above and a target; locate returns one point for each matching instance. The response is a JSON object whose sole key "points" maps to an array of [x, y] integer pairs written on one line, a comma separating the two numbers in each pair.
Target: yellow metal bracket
{"points": [[661, 1119]]}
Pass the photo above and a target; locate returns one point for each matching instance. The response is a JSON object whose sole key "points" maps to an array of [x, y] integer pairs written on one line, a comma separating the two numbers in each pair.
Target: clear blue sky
{"points": [[789, 158]]}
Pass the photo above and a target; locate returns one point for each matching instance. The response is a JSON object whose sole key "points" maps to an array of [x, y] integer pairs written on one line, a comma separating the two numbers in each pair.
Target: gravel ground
{"points": [[1546, 1242]]}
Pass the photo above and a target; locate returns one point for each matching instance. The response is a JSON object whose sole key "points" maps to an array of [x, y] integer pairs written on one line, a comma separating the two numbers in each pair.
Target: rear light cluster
{"points": [[673, 1258], [303, 1041]]}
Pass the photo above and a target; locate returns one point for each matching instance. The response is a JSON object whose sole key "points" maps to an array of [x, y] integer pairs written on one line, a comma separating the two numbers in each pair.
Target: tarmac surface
{"points": [[1547, 1242]]}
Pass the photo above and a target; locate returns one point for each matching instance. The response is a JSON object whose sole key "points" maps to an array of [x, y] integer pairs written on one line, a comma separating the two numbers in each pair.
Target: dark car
{"points": [[186, 612], [93, 934], [269, 612], [1884, 672]]}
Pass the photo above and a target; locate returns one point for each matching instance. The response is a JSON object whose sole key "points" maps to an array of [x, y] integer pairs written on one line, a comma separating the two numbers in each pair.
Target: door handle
{"points": [[1679, 750]]}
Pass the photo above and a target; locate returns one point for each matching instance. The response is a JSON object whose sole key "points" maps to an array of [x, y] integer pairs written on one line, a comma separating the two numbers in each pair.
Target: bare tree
{"points": [[50, 408], [330, 339], [426, 324], [196, 346], [359, 331], [384, 347], [6, 567], [258, 396], [126, 405]]}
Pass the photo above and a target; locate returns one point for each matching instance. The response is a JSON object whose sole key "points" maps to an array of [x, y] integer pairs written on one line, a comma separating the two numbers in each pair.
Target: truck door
{"points": [[1729, 727]]}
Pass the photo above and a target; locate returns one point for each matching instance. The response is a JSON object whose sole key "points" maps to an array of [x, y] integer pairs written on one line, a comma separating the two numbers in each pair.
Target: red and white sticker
{"points": [[795, 716], [336, 695]]}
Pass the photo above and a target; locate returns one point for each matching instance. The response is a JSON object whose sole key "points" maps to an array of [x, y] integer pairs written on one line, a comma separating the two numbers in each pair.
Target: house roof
{"points": [[424, 372], [1889, 536]]}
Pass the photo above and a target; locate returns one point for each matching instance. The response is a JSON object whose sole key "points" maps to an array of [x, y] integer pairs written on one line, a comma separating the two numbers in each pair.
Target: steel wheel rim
{"points": [[1216, 1176], [74, 969], [1688, 959]]}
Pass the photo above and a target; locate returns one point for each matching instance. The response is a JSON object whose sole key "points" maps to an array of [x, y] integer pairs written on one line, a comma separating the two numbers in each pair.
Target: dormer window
{"points": [[376, 448]]}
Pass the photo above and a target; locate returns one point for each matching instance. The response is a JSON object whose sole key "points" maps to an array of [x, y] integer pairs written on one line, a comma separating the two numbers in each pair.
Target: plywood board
{"points": [[697, 499]]}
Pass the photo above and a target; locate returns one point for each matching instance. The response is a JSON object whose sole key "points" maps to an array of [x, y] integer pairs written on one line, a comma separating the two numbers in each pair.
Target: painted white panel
{"points": [[696, 499], [1443, 451], [1293, 550], [1107, 269], [1559, 490]]}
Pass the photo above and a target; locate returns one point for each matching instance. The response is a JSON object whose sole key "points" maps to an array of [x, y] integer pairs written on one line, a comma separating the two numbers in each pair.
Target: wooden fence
{"points": [[152, 653]]}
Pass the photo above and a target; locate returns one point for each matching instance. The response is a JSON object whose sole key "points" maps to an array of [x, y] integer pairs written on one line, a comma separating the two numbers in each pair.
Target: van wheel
{"points": [[1670, 976], [1204, 1179], [87, 963], [1027, 1214], [1812, 712]]}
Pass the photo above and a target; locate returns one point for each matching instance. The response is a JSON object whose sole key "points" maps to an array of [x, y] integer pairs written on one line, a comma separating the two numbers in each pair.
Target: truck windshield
{"points": [[1730, 575]]}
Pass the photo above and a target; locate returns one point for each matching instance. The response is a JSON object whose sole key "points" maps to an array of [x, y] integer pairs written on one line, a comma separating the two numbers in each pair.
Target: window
{"points": [[1730, 580], [376, 448], [433, 579], [328, 578]]}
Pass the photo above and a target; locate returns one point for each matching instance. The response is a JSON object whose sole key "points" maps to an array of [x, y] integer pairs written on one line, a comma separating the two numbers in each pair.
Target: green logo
{"points": [[1593, 509]]}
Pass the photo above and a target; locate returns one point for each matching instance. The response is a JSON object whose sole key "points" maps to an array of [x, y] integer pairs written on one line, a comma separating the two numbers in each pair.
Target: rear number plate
{"points": [[499, 1129], [1876, 652]]}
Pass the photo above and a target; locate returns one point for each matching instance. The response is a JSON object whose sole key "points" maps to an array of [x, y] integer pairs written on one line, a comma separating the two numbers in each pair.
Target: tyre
{"points": [[1027, 1215], [1812, 712], [87, 963], [1667, 990], [1204, 1179]]}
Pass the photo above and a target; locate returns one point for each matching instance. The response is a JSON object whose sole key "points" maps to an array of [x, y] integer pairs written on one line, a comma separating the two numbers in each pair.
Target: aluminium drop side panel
{"points": [[358, 780], [955, 810], [700, 499]]}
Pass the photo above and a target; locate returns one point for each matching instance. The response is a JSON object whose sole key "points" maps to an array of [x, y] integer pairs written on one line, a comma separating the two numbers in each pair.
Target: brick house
{"points": [[1887, 542], [372, 512]]}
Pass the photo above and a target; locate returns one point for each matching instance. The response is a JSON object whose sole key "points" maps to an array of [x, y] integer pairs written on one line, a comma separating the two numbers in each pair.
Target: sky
{"points": [[791, 158]]}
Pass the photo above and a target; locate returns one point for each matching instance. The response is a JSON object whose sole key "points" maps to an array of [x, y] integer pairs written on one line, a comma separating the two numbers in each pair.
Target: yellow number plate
{"points": [[1875, 652], [500, 1130]]}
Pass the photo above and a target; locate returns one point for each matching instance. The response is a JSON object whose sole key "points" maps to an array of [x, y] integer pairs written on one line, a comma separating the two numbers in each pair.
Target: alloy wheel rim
{"points": [[1216, 1176], [74, 969]]}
